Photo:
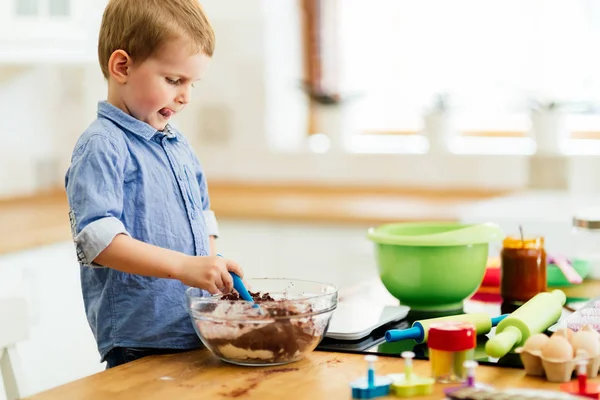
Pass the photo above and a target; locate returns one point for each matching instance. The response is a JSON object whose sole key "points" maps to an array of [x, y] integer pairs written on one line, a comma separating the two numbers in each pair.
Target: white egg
{"points": [[558, 348], [590, 328], [536, 342], [564, 332], [587, 341]]}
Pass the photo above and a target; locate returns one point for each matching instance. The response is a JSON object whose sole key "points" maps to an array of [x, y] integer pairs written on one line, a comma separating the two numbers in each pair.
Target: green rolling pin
{"points": [[535, 316], [420, 329]]}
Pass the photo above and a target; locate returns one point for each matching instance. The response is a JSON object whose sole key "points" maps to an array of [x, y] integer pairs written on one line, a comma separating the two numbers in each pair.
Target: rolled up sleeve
{"points": [[94, 185], [211, 223]]}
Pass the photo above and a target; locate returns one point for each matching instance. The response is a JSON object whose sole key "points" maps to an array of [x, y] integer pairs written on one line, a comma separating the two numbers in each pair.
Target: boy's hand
{"points": [[210, 273]]}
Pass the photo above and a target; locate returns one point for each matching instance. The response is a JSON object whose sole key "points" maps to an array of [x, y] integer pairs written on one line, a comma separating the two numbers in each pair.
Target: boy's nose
{"points": [[184, 95]]}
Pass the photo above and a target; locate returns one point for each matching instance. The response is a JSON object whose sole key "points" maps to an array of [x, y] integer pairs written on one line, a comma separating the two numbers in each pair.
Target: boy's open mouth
{"points": [[165, 112]]}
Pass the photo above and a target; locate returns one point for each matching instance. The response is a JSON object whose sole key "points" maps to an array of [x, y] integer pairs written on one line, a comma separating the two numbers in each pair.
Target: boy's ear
{"points": [[118, 66]]}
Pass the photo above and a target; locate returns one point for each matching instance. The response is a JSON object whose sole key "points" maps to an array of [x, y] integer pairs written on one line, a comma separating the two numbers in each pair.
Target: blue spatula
{"points": [[239, 286]]}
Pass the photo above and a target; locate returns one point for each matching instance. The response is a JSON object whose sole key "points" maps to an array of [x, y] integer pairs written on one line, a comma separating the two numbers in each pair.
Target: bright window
{"points": [[493, 59]]}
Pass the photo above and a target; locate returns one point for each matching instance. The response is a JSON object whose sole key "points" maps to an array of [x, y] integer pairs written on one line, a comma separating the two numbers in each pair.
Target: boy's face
{"points": [[159, 87]]}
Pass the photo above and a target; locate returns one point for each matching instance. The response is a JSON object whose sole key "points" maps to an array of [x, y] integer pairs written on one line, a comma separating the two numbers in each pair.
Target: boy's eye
{"points": [[173, 81]]}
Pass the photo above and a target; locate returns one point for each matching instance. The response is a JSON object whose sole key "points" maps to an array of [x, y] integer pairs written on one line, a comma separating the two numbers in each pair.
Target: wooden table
{"points": [[200, 375], [321, 375]]}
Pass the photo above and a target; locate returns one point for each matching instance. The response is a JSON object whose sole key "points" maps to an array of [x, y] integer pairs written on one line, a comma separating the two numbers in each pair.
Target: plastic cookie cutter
{"points": [[582, 387], [409, 384], [470, 366], [371, 386]]}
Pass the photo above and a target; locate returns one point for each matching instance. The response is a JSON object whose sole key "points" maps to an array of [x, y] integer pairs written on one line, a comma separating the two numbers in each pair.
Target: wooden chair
{"points": [[14, 328]]}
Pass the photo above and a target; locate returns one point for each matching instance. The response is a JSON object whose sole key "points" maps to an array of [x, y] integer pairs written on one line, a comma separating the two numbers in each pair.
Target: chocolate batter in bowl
{"points": [[291, 320]]}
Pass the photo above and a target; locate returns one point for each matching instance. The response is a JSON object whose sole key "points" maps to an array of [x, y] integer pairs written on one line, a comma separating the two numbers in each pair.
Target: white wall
{"points": [[256, 76], [28, 136]]}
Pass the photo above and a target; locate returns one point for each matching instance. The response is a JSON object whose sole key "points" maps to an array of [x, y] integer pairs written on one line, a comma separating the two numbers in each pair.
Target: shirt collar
{"points": [[133, 125]]}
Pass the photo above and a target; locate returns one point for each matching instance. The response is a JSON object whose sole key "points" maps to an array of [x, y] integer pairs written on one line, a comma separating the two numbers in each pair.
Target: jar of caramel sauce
{"points": [[523, 269]]}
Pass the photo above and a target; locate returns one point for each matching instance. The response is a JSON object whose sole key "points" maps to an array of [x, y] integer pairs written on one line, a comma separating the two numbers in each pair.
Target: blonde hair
{"points": [[140, 27]]}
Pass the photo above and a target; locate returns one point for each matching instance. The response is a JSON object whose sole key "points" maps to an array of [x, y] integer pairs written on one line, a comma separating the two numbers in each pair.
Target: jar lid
{"points": [[452, 336], [534, 243], [588, 218], [586, 223]]}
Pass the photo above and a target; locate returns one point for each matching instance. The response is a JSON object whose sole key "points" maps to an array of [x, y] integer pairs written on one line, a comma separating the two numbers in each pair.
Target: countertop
{"points": [[33, 221], [42, 218], [321, 375], [200, 375]]}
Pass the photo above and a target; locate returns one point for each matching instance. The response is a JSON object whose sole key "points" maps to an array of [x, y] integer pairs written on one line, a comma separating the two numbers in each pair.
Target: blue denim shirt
{"points": [[127, 178]]}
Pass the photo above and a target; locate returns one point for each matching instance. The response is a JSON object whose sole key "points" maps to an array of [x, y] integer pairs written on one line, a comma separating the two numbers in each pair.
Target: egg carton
{"points": [[556, 358], [557, 371]]}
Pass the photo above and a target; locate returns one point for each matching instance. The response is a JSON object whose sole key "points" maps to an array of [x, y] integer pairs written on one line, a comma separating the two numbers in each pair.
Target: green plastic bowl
{"points": [[556, 277], [432, 266]]}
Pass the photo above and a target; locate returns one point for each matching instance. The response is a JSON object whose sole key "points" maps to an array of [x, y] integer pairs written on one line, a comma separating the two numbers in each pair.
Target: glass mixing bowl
{"points": [[267, 332]]}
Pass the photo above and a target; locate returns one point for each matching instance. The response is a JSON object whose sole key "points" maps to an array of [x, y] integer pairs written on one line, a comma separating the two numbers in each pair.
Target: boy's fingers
{"points": [[234, 267], [227, 282], [219, 281], [212, 289]]}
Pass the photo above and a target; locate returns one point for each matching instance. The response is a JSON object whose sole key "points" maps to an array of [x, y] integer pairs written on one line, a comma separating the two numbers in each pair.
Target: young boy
{"points": [[139, 205]]}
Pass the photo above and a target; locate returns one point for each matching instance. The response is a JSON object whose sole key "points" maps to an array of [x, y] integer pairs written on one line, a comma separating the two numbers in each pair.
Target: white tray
{"points": [[356, 320]]}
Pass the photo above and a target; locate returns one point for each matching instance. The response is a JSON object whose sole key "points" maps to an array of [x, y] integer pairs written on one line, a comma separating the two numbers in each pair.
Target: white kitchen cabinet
{"points": [[60, 347], [33, 31]]}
